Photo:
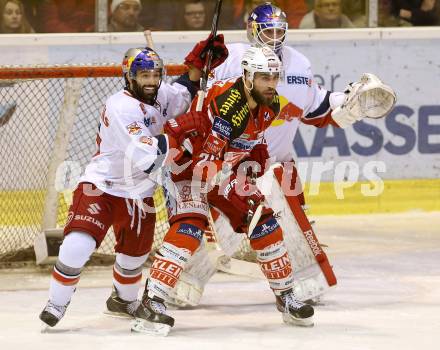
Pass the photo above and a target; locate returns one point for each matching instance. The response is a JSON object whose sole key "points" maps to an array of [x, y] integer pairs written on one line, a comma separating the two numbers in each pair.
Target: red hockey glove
{"points": [[186, 125], [259, 154], [197, 57], [243, 196]]}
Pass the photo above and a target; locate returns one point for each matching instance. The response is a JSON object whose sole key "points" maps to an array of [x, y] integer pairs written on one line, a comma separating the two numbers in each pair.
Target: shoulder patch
{"points": [[222, 127]]}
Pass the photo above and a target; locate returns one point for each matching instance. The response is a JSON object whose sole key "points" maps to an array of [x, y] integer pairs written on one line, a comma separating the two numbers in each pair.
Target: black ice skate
{"points": [[52, 313], [294, 311], [118, 307], [150, 317]]}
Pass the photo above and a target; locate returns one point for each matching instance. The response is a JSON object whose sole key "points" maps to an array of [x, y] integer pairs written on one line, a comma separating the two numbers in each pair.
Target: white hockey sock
{"points": [[127, 275], [275, 264], [74, 253], [166, 269]]}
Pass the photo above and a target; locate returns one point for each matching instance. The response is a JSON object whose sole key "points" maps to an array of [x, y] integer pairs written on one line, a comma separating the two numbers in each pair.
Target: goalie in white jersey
{"points": [[302, 100], [118, 184]]}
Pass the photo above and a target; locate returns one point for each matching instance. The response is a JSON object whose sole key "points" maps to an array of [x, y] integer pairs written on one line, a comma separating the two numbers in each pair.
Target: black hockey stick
{"points": [[207, 67]]}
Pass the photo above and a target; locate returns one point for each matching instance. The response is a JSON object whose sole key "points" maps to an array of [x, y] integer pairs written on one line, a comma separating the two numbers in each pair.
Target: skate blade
{"points": [[301, 322], [118, 314], [140, 325]]}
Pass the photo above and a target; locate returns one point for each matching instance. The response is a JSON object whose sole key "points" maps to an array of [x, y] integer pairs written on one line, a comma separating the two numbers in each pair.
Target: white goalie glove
{"points": [[368, 98]]}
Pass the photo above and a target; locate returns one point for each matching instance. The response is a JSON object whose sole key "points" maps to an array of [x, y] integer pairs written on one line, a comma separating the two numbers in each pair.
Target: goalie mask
{"points": [[267, 26], [144, 86]]}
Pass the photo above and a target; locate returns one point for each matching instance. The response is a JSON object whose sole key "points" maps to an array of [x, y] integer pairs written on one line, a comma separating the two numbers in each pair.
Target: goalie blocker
{"points": [[313, 273]]}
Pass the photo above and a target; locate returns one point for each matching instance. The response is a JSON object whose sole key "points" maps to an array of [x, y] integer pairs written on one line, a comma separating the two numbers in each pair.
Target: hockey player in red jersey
{"points": [[118, 184], [238, 112]]}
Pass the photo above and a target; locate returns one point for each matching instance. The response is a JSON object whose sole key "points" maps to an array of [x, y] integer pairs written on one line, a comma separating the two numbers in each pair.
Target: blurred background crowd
{"points": [[70, 16]]}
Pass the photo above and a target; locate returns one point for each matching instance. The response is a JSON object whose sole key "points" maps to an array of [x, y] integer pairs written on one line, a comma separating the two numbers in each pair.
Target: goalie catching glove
{"points": [[197, 57], [367, 98]]}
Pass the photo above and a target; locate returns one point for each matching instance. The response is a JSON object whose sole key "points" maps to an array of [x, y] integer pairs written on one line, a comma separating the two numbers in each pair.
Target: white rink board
{"points": [[408, 59], [387, 297]]}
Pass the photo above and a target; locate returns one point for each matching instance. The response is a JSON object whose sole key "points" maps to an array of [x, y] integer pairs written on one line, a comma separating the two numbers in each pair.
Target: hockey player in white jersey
{"points": [[302, 100], [118, 184]]}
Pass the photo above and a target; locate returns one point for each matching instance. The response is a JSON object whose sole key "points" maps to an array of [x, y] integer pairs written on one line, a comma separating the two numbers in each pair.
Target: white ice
{"points": [[387, 297]]}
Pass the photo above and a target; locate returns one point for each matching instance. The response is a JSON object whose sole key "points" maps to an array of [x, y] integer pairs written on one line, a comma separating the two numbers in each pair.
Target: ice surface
{"points": [[388, 297]]}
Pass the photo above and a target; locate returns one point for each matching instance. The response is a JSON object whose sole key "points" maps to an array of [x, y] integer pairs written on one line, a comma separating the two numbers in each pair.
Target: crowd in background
{"points": [[69, 16]]}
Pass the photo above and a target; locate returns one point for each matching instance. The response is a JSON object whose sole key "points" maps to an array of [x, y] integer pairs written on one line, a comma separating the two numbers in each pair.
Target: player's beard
{"points": [[261, 99], [148, 97]]}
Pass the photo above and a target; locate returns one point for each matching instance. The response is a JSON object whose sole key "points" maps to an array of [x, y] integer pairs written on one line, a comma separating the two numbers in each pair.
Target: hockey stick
{"points": [[149, 39], [207, 68], [255, 218]]}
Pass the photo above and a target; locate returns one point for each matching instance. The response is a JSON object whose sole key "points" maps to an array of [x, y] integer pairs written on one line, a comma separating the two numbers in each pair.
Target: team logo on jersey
{"points": [[222, 127], [94, 208], [190, 230], [134, 129], [298, 80], [233, 97], [245, 145], [149, 121], [147, 140], [69, 217], [214, 145], [266, 116]]}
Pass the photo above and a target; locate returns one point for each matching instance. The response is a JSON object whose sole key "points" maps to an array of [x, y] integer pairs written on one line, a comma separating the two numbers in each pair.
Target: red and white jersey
{"points": [[127, 141], [301, 98]]}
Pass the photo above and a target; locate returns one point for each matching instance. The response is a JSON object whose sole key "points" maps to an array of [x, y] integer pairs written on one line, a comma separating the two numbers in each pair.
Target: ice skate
{"points": [[294, 311], [118, 307], [150, 317], [52, 313]]}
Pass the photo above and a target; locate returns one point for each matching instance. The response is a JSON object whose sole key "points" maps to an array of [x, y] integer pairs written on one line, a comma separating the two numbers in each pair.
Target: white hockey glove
{"points": [[367, 98]]}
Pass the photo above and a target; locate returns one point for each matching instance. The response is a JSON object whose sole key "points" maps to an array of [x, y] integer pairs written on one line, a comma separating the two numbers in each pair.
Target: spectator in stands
{"points": [[194, 16], [326, 14], [13, 18], [356, 11], [125, 16], [418, 12], [387, 18], [155, 15], [67, 16]]}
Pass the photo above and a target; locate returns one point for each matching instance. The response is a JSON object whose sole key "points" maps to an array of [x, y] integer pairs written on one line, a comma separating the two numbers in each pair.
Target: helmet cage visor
{"points": [[271, 34]]}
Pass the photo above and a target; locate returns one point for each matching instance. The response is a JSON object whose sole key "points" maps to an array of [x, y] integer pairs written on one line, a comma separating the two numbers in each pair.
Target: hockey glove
{"points": [[197, 57], [260, 155], [187, 125], [243, 196]]}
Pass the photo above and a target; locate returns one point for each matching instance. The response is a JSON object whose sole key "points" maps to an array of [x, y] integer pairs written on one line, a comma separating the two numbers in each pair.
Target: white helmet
{"points": [[260, 59]]}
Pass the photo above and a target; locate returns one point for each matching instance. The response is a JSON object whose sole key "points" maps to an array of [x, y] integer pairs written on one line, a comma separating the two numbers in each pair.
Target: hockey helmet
{"points": [[140, 58], [260, 59]]}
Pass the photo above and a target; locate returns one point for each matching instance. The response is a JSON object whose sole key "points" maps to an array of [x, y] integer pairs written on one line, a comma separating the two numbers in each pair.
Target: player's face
{"points": [[264, 88], [147, 83], [272, 36]]}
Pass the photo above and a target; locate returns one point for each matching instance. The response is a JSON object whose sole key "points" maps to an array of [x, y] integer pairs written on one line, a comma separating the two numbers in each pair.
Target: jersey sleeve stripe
{"points": [[323, 109]]}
